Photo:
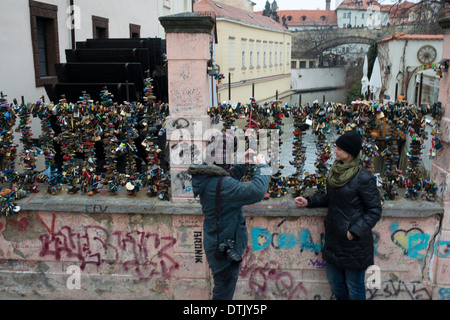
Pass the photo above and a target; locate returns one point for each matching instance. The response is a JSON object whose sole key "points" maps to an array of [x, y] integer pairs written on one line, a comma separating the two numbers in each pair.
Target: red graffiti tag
{"points": [[21, 224], [260, 272], [145, 253]]}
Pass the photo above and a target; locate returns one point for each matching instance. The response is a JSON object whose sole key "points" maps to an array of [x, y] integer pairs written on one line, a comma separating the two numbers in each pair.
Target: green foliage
{"points": [[371, 56], [354, 93]]}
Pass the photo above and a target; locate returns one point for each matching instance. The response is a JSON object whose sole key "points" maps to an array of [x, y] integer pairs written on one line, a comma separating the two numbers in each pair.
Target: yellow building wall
{"points": [[250, 55]]}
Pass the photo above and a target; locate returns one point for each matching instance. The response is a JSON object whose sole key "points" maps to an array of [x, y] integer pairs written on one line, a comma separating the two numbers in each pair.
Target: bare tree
{"points": [[423, 15]]}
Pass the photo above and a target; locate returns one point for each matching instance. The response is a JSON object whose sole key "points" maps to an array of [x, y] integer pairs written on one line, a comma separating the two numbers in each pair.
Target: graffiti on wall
{"points": [[414, 242], [260, 273], [143, 252], [270, 266], [198, 246], [390, 289], [262, 239]]}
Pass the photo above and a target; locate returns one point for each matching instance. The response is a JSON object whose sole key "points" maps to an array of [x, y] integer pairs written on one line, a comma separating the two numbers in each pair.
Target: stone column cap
{"points": [[187, 22]]}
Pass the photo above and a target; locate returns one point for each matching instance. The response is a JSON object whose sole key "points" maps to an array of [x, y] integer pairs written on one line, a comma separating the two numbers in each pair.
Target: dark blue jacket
{"points": [[234, 195]]}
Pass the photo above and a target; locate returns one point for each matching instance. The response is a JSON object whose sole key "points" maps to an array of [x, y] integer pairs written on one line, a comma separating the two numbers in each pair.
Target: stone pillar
{"points": [[188, 37], [440, 173]]}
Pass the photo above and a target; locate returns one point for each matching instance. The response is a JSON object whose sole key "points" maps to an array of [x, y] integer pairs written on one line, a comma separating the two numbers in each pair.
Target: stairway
{"points": [[121, 65]]}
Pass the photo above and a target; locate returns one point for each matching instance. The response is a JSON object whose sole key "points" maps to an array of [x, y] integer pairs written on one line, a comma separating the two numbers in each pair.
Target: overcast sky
{"points": [[306, 4]]}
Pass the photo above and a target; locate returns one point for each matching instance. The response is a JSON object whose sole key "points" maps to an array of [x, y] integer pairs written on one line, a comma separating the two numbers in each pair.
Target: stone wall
{"points": [[138, 248]]}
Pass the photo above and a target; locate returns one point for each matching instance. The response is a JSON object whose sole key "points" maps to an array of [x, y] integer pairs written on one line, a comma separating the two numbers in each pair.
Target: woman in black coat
{"points": [[354, 208]]}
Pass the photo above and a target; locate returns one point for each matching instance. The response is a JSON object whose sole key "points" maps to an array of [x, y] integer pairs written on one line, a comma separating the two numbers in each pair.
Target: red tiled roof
{"points": [[399, 13], [309, 17], [403, 36], [400, 9], [230, 12], [360, 5]]}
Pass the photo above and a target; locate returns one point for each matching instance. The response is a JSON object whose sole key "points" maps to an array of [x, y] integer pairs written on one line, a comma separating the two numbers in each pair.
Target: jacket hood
{"points": [[200, 174]]}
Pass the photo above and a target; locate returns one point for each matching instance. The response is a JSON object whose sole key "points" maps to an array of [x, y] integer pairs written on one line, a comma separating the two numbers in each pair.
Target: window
{"points": [[270, 53], [288, 53], [231, 53], [252, 45], [312, 64], [281, 53], [243, 49], [276, 54], [42, 46], [265, 55], [258, 55], [302, 64], [100, 29], [45, 42], [135, 31], [294, 64]]}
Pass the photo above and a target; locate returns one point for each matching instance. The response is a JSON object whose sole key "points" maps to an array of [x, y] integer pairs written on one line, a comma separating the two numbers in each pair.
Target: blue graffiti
{"points": [[415, 242], [262, 239], [444, 293], [307, 244]]}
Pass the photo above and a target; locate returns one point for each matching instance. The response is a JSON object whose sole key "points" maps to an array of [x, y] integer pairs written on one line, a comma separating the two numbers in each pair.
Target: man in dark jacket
{"points": [[225, 239], [354, 208]]}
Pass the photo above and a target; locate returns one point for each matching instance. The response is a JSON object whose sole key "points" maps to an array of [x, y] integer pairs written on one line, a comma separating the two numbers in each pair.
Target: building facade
{"points": [[354, 14], [402, 58], [253, 53], [39, 32]]}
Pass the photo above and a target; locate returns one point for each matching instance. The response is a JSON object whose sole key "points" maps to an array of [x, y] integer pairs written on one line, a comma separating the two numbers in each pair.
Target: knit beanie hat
{"points": [[350, 142]]}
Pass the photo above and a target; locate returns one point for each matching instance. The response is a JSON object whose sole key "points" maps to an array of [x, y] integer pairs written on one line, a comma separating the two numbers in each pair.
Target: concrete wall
{"points": [[137, 248], [440, 168], [317, 78]]}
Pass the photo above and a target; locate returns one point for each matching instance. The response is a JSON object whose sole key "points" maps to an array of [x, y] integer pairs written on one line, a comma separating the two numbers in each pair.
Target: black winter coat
{"points": [[355, 207]]}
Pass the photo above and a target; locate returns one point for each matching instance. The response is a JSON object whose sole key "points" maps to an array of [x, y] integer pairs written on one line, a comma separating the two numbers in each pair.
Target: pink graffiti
{"points": [[259, 273], [142, 252]]}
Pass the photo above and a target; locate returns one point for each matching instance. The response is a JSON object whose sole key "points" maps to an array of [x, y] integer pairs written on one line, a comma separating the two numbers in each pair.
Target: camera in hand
{"points": [[226, 250]]}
